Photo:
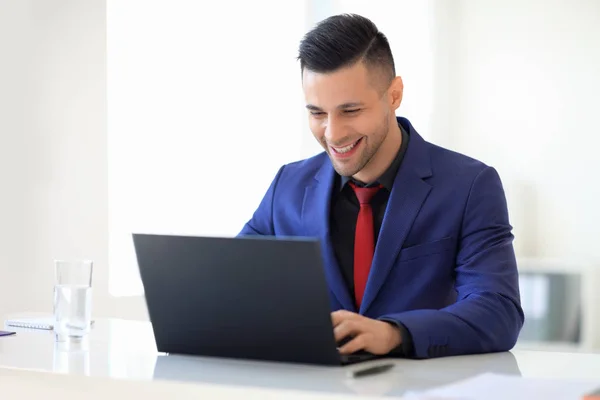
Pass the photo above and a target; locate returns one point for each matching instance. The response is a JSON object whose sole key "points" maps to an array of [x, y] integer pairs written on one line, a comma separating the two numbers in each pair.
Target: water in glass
{"points": [[72, 309]]}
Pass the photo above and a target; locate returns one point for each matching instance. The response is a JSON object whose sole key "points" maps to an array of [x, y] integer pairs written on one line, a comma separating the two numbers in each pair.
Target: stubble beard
{"points": [[350, 167]]}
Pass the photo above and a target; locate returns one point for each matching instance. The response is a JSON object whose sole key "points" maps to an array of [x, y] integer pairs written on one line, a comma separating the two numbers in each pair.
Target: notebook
{"points": [[46, 323]]}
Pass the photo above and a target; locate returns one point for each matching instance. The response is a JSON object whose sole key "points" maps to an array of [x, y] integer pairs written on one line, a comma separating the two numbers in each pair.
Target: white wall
{"points": [[12, 164], [53, 163], [526, 97]]}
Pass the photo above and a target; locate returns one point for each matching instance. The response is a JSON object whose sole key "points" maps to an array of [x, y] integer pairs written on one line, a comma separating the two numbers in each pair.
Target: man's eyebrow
{"points": [[341, 106], [350, 105]]}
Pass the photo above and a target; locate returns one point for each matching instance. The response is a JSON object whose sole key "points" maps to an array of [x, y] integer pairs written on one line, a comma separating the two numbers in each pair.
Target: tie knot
{"points": [[365, 194]]}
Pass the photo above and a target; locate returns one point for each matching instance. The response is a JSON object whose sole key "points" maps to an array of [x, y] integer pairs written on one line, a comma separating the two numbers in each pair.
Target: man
{"points": [[416, 239]]}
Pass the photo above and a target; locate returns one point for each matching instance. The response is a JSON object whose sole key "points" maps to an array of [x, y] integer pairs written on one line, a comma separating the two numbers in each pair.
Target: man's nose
{"points": [[334, 132]]}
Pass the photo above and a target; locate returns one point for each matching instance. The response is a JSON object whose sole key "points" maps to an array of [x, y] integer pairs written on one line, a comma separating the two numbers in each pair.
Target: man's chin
{"points": [[344, 170], [346, 167]]}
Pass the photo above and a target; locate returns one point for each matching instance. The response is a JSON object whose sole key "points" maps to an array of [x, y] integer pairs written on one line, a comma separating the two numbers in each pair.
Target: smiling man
{"points": [[416, 238]]}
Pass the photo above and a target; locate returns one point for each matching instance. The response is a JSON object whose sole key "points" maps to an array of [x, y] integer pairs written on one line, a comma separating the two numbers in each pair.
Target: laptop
{"points": [[251, 297]]}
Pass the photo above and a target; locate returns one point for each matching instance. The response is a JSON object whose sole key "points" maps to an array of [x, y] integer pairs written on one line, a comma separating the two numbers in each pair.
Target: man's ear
{"points": [[395, 93]]}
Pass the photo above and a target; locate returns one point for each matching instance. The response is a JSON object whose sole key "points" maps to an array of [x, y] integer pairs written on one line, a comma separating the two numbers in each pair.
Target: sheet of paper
{"points": [[502, 387]]}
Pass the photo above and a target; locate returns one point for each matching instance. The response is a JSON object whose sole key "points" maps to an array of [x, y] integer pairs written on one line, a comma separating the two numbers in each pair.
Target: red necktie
{"points": [[364, 240]]}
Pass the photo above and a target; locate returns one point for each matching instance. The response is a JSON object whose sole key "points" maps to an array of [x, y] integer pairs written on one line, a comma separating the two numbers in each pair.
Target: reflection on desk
{"points": [[407, 374], [126, 350]]}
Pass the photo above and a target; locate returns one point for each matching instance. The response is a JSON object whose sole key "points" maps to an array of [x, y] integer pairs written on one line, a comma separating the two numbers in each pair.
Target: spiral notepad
{"points": [[46, 323]]}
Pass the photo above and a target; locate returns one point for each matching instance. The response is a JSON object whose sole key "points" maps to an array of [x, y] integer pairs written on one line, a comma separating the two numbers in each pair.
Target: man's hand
{"points": [[376, 337]]}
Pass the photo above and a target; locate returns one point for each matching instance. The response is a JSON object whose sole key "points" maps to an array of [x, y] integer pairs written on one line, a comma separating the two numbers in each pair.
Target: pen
{"points": [[356, 373]]}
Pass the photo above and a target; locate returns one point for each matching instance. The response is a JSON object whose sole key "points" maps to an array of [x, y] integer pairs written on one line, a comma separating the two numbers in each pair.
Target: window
{"points": [[204, 105]]}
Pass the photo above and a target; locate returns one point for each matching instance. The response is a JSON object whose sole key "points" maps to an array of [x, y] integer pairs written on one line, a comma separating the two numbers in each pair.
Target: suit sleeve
{"points": [[261, 222], [406, 347], [487, 316]]}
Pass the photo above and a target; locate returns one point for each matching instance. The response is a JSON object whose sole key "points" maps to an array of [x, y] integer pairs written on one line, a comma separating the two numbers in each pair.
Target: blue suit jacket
{"points": [[444, 264]]}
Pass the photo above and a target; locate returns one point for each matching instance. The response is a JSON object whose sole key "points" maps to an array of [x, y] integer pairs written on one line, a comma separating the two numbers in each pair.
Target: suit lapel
{"points": [[408, 195], [315, 216]]}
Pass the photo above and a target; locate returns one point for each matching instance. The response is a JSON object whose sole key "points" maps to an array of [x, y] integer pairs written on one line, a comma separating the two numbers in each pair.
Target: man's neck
{"points": [[384, 157]]}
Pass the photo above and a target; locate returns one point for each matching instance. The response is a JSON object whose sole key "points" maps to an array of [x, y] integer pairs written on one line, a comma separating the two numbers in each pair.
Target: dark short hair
{"points": [[342, 40]]}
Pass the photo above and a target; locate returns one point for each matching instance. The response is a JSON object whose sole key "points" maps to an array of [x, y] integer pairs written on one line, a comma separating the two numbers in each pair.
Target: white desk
{"points": [[25, 384], [126, 350]]}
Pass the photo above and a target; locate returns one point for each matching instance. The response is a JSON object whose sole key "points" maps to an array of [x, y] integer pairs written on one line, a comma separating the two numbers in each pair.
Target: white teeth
{"points": [[346, 149]]}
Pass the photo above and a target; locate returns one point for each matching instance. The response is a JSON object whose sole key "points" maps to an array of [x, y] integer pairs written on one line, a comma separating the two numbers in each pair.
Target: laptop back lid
{"points": [[251, 297]]}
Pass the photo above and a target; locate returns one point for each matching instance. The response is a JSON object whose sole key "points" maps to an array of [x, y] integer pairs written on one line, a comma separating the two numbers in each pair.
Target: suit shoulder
{"points": [[307, 167], [450, 162]]}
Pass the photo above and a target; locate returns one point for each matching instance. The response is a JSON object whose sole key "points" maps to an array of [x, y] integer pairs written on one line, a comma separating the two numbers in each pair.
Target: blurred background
{"points": [[120, 116]]}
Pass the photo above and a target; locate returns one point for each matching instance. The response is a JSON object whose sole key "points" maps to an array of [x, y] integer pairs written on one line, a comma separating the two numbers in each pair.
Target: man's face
{"points": [[348, 115]]}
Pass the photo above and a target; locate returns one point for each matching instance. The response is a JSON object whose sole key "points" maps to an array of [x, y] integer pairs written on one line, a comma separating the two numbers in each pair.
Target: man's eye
{"points": [[317, 113], [355, 110]]}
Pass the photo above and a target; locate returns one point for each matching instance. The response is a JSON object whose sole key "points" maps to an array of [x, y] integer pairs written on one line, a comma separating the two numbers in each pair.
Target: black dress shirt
{"points": [[344, 213]]}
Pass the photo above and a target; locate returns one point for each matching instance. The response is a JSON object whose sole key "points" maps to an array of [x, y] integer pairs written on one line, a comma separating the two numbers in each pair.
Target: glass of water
{"points": [[72, 299]]}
